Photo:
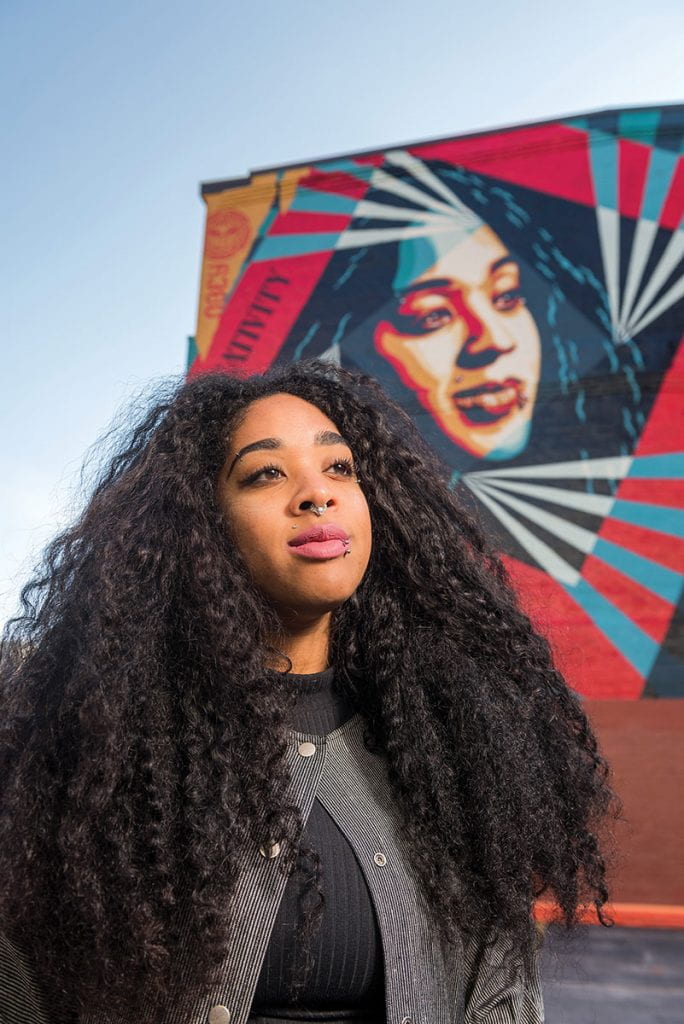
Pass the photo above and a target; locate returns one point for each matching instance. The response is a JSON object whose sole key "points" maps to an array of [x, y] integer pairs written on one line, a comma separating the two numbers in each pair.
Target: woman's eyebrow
{"points": [[437, 283], [323, 437], [424, 286], [330, 437], [502, 263], [266, 443]]}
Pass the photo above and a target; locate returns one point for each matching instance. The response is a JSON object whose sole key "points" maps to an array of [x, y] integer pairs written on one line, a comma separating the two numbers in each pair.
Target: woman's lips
{"points": [[329, 541], [491, 400]]}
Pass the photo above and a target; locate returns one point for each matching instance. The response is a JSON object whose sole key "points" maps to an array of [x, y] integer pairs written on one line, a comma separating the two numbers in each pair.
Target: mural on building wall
{"points": [[521, 294]]}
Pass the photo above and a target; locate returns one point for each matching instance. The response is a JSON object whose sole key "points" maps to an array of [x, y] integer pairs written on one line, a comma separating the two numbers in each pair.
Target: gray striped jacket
{"points": [[424, 983]]}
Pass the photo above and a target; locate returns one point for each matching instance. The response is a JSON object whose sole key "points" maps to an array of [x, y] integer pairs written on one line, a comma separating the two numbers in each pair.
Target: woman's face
{"points": [[464, 340], [285, 455]]}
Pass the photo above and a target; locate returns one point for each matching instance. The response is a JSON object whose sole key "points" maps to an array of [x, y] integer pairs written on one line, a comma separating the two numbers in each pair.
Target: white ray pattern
{"points": [[422, 173], [642, 243], [382, 211], [510, 499], [385, 182], [671, 296], [608, 222], [666, 266], [642, 300], [612, 467], [425, 216], [357, 237], [594, 504], [540, 551], [576, 536]]}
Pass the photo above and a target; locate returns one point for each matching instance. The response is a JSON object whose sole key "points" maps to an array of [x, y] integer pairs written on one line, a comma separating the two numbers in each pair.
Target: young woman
{"points": [[276, 741]]}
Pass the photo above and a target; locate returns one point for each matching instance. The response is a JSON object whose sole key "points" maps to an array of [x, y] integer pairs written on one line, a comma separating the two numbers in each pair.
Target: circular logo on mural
{"points": [[227, 232]]}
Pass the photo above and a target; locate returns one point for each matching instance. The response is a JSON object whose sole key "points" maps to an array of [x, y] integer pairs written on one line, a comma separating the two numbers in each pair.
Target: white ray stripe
{"points": [[594, 504], [571, 533], [667, 263], [544, 555], [332, 354], [385, 182], [355, 237], [671, 296], [609, 236], [613, 467], [368, 208], [641, 247], [422, 173]]}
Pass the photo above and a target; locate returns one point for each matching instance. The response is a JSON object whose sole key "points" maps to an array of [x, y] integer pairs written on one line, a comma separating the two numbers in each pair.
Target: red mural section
{"points": [[520, 293]]}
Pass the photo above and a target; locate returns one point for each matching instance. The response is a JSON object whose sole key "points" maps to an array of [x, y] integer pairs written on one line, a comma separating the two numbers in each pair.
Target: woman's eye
{"points": [[265, 473], [425, 323], [343, 466], [435, 319], [510, 300]]}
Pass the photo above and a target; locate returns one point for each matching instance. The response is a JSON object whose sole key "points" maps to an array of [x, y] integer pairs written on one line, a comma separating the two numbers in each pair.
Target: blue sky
{"points": [[115, 112]]}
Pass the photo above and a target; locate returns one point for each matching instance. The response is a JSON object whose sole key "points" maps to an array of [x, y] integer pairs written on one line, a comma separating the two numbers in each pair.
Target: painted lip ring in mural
{"points": [[490, 401]]}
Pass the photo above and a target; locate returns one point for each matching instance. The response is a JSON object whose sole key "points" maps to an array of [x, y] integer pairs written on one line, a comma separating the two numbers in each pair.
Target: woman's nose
{"points": [[485, 340], [312, 494]]}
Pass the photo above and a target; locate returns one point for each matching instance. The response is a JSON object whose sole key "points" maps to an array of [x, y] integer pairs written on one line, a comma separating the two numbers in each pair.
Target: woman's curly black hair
{"points": [[142, 741]]}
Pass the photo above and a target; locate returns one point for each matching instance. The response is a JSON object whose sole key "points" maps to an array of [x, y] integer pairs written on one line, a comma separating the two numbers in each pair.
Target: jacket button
{"points": [[380, 859], [219, 1015], [307, 749], [407, 1020], [269, 851]]}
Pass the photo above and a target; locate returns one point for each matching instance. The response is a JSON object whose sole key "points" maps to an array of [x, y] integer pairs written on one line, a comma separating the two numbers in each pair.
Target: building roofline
{"points": [[221, 185]]}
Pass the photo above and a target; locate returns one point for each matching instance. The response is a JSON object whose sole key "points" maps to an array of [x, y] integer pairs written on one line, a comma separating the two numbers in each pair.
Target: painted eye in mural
{"points": [[433, 320], [418, 322], [509, 300]]}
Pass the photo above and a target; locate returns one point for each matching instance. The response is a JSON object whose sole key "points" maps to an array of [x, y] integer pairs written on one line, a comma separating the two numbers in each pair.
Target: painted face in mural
{"points": [[463, 339]]}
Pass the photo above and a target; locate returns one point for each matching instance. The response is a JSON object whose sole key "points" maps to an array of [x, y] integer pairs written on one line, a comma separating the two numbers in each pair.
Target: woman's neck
{"points": [[307, 645]]}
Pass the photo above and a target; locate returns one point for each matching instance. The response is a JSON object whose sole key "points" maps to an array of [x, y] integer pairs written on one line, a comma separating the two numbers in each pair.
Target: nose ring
{"points": [[318, 510]]}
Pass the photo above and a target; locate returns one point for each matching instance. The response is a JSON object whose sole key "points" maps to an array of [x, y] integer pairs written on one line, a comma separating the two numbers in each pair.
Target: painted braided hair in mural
{"points": [[534, 340]]}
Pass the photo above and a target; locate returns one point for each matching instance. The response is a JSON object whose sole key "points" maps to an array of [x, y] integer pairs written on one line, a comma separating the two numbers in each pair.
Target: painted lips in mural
{"points": [[520, 293]]}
